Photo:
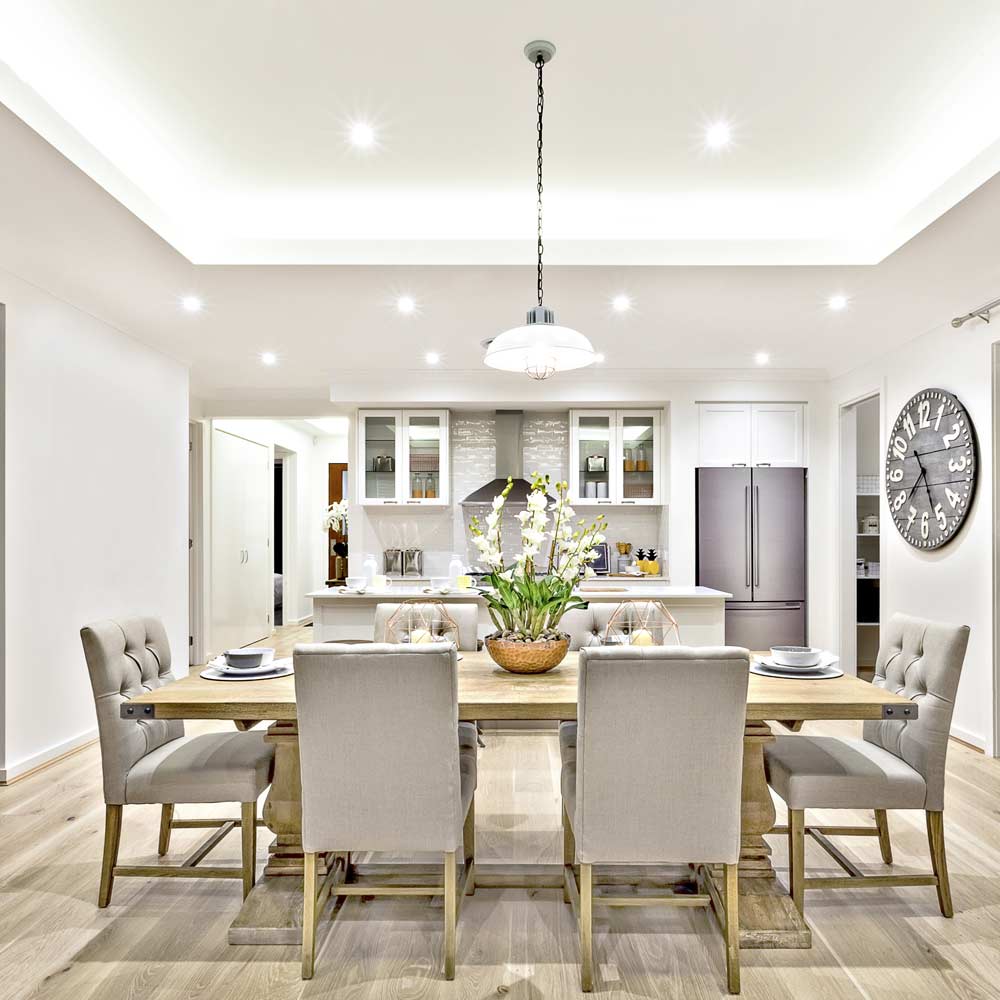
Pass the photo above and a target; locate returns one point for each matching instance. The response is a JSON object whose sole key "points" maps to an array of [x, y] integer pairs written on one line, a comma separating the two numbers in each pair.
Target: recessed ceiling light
{"points": [[361, 135], [762, 357], [406, 305], [621, 303], [718, 135], [191, 304], [432, 358], [837, 302], [268, 358], [598, 358]]}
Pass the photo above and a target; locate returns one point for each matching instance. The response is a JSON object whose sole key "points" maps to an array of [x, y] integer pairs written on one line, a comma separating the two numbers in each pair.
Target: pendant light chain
{"points": [[539, 63]]}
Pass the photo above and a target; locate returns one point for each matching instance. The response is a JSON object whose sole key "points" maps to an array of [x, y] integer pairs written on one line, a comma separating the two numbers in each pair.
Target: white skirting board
{"points": [[973, 739], [13, 771]]}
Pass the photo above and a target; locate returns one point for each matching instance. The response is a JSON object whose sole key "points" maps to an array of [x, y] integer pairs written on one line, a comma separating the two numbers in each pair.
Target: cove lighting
{"points": [[330, 425]]}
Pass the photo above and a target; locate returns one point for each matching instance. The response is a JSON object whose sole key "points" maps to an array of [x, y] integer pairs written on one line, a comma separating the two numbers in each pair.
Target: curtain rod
{"points": [[983, 313]]}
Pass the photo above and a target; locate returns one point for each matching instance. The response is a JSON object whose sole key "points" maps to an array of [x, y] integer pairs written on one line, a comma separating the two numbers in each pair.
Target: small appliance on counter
{"points": [[413, 562], [392, 562]]}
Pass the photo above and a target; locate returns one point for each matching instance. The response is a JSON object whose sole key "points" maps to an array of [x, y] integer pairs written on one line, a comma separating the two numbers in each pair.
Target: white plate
{"points": [[264, 670], [825, 660], [812, 674], [279, 668]]}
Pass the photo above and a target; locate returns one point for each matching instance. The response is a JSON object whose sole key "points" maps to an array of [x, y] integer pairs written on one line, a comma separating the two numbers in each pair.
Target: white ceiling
{"points": [[222, 126]]}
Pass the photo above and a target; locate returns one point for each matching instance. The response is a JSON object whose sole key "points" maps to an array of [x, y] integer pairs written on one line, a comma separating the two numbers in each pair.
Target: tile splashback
{"points": [[545, 441]]}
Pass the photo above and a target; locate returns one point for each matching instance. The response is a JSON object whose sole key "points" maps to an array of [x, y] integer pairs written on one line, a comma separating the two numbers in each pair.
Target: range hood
{"points": [[510, 462]]}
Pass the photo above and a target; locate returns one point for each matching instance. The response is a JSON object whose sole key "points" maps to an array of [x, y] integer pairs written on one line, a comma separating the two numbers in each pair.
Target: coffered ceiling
{"points": [[225, 126]]}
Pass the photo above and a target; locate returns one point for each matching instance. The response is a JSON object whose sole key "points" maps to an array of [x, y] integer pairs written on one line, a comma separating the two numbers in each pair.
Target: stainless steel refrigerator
{"points": [[751, 543]]}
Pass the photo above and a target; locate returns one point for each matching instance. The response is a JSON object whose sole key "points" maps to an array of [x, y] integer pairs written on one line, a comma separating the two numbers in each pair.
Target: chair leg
{"points": [[469, 848], [450, 913], [569, 848], [586, 928], [935, 837], [308, 915], [885, 845], [166, 818], [797, 857], [112, 838], [248, 834], [732, 928]]}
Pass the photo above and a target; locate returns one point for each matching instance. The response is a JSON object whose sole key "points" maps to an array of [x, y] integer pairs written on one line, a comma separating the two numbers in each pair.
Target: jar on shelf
{"points": [[417, 491]]}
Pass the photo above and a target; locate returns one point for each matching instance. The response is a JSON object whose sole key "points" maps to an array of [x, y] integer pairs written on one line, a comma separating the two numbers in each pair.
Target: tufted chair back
{"points": [[586, 626], [124, 659], [921, 660]]}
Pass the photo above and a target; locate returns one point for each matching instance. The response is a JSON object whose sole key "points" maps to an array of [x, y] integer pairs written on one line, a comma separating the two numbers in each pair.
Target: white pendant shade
{"points": [[540, 350]]}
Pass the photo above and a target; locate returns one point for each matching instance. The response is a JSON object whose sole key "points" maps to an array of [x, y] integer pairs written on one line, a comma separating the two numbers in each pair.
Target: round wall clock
{"points": [[931, 467]]}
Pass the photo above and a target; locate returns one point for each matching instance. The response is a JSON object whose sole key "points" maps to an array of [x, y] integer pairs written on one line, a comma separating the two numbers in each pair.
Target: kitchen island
{"points": [[700, 611]]}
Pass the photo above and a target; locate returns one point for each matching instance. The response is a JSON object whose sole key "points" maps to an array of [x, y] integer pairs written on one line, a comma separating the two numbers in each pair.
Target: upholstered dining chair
{"points": [[898, 764], [386, 766], [152, 761], [651, 774], [464, 615]]}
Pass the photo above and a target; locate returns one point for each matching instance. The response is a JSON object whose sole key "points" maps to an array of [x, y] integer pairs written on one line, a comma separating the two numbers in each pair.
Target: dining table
{"points": [[272, 912]]}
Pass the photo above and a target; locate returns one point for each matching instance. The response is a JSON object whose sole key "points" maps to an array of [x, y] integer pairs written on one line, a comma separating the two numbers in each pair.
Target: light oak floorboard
{"points": [[167, 938]]}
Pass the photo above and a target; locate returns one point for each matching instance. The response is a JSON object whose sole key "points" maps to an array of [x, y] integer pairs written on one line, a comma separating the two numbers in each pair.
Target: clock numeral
{"points": [[909, 426], [899, 448], [924, 526], [911, 518], [899, 501], [924, 411], [953, 497], [957, 464], [952, 436], [940, 414], [896, 475], [942, 521]]}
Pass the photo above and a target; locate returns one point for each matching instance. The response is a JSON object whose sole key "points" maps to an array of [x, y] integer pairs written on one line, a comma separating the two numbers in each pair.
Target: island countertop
{"points": [[700, 611]]}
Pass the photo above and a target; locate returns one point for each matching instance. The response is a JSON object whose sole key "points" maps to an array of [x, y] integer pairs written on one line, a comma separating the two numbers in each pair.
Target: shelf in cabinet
{"points": [[868, 534]]}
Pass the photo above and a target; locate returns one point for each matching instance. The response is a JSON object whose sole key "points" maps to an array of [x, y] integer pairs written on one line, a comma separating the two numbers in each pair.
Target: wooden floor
{"points": [[167, 938]]}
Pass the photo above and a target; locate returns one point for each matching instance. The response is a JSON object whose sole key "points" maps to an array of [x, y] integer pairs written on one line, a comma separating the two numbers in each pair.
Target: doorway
{"points": [[861, 547], [337, 489], [279, 539]]}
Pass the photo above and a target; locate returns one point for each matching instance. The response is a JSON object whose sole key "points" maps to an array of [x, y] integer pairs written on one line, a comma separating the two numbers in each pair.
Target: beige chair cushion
{"points": [[824, 772], [921, 660], [656, 756], [586, 626], [213, 767], [464, 615]]}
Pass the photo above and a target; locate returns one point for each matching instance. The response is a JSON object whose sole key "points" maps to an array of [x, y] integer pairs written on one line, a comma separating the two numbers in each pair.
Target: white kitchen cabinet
{"points": [[615, 458], [403, 458], [751, 434]]}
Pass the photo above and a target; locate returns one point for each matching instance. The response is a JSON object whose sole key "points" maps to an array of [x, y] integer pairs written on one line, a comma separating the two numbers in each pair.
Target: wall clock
{"points": [[931, 468]]}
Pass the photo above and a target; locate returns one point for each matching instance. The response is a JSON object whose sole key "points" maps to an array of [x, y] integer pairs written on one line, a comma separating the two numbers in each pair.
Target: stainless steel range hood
{"points": [[510, 462]]}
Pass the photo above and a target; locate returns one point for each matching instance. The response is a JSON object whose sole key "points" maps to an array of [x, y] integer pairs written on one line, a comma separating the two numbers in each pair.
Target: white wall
{"points": [[954, 583], [95, 509]]}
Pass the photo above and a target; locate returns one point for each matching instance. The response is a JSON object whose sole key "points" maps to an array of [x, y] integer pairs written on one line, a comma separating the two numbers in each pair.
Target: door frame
{"points": [[847, 476], [995, 447], [196, 542]]}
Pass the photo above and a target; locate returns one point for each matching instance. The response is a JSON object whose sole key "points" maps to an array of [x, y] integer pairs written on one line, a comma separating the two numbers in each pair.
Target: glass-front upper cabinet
{"points": [[615, 457], [424, 443], [639, 434], [378, 455], [592, 465], [404, 457]]}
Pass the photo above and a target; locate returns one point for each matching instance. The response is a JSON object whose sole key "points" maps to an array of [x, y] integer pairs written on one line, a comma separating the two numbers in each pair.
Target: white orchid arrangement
{"points": [[335, 518], [522, 605]]}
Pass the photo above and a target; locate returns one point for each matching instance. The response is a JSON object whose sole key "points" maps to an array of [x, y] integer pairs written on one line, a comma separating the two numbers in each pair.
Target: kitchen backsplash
{"points": [[545, 441]]}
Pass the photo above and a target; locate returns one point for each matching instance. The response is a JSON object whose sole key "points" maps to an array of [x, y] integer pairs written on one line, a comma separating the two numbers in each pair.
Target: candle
{"points": [[642, 637], [421, 635]]}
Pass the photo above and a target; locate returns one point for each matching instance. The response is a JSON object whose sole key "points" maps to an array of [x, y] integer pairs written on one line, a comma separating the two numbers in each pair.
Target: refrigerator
{"points": [[751, 543]]}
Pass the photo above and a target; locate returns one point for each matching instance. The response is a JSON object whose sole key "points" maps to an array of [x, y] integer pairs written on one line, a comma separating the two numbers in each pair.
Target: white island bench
{"points": [[700, 611]]}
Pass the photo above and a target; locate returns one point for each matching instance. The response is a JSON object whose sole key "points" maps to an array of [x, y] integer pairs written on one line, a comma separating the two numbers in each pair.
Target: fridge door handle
{"points": [[747, 528], [756, 536]]}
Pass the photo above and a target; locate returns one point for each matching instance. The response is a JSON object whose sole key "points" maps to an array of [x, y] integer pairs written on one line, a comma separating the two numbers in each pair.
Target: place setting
{"points": [[252, 663], [800, 662]]}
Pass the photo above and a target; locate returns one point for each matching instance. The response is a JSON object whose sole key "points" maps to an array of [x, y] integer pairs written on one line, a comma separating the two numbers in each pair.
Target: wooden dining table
{"points": [[271, 914]]}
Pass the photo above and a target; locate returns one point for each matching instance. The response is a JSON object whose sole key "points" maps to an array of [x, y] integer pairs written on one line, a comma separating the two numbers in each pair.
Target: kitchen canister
{"points": [[590, 490]]}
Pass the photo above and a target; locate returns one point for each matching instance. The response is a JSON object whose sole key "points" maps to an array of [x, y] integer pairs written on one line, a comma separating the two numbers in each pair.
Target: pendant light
{"points": [[540, 348]]}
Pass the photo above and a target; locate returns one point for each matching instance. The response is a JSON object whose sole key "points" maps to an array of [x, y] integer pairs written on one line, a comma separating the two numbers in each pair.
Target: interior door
{"points": [[724, 543], [241, 572], [779, 534]]}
